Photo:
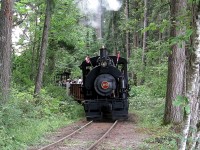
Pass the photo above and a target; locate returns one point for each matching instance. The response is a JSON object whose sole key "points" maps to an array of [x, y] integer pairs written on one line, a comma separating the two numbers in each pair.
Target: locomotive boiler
{"points": [[105, 87]]}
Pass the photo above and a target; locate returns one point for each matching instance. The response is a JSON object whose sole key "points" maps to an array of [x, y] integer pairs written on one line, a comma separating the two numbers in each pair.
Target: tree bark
{"points": [[195, 144], [52, 56], [192, 95], [195, 116], [38, 83], [145, 33], [33, 59], [144, 42], [5, 48], [128, 52], [176, 65]]}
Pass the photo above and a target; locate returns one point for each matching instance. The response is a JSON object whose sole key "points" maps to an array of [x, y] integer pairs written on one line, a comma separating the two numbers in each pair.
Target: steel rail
{"points": [[92, 146], [47, 146]]}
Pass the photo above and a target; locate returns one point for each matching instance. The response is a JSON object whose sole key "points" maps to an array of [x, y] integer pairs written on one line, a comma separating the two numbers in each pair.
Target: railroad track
{"points": [[89, 129]]}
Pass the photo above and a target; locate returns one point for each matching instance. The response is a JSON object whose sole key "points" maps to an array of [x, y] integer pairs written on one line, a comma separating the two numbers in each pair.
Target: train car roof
{"points": [[93, 61]]}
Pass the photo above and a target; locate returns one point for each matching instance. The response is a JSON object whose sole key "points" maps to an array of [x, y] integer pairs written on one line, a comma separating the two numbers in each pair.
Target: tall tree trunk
{"points": [[144, 42], [195, 38], [52, 56], [5, 48], [135, 46], [135, 42], [38, 83], [176, 65], [128, 52], [33, 59], [193, 79], [145, 33]]}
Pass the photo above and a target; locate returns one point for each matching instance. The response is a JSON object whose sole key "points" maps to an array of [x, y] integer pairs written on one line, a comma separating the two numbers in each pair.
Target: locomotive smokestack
{"points": [[103, 53]]}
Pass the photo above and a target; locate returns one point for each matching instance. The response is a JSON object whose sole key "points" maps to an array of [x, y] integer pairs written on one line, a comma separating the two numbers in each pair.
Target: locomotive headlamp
{"points": [[104, 63]]}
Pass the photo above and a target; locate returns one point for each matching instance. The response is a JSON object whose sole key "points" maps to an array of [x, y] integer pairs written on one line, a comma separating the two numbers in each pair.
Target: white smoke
{"points": [[89, 6], [114, 5], [92, 6], [92, 9]]}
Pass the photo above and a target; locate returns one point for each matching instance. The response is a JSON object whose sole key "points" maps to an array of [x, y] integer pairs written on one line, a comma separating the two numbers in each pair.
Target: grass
{"points": [[31, 131], [150, 111], [23, 121]]}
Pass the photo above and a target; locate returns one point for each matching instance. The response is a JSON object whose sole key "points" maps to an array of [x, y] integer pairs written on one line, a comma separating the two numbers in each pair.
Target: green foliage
{"points": [[25, 119], [66, 38], [179, 39], [149, 108], [183, 102], [150, 111], [164, 25], [22, 70], [155, 72], [162, 140], [152, 26]]}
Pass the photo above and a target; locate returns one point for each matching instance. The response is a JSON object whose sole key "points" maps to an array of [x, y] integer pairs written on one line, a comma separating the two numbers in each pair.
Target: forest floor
{"points": [[127, 135]]}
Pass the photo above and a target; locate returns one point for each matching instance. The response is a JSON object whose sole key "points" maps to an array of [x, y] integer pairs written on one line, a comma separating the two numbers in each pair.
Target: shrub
{"points": [[24, 119], [150, 111]]}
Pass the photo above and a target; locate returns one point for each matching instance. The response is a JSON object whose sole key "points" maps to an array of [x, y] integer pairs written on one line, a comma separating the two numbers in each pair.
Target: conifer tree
{"points": [[5, 48]]}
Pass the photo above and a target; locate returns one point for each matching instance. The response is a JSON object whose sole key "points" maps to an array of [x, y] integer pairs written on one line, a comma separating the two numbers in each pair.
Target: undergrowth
{"points": [[150, 111], [25, 119]]}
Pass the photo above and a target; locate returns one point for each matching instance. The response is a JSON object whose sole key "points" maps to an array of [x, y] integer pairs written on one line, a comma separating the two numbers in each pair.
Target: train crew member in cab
{"points": [[87, 71], [79, 80], [64, 83], [68, 86]]}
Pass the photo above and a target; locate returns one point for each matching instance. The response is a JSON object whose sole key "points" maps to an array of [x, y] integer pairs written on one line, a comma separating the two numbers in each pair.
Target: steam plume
{"points": [[92, 9]]}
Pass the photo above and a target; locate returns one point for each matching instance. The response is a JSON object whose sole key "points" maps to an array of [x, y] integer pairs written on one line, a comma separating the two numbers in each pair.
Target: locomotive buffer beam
{"points": [[96, 109]]}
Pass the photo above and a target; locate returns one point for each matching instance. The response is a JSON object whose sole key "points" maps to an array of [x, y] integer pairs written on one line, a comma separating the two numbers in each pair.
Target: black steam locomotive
{"points": [[105, 87]]}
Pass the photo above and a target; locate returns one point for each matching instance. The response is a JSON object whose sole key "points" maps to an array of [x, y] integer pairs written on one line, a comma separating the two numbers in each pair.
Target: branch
{"points": [[20, 21]]}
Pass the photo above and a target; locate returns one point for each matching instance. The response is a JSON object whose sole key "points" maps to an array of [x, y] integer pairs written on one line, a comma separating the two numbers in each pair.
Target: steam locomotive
{"points": [[105, 87]]}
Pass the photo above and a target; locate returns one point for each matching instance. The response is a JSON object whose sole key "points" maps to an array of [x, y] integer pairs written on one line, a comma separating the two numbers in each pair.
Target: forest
{"points": [[42, 38]]}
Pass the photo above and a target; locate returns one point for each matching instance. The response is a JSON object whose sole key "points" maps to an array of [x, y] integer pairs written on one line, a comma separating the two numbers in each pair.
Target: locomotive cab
{"points": [[105, 87]]}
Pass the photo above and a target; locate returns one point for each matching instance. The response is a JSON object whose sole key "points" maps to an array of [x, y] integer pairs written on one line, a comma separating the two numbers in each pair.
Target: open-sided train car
{"points": [[104, 92]]}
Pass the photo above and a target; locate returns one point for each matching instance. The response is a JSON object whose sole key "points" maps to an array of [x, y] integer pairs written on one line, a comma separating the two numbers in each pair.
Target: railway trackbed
{"points": [[77, 140]]}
